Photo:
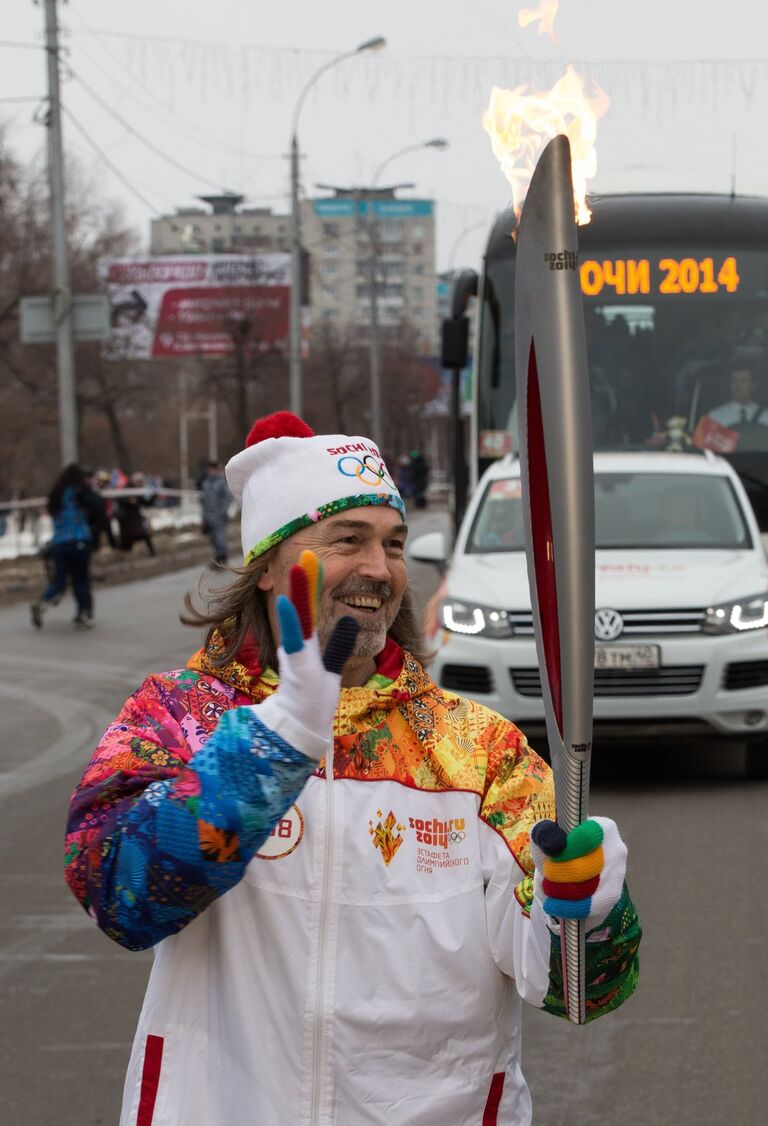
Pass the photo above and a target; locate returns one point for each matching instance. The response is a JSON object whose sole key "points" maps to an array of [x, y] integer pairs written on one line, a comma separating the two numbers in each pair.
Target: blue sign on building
{"points": [[381, 208]]}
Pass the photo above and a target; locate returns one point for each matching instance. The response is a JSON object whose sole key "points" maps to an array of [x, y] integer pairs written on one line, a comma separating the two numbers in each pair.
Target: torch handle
{"points": [[572, 944], [573, 808]]}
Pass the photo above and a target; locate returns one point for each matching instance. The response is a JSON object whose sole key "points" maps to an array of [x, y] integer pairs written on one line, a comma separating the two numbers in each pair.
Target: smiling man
{"points": [[350, 877]]}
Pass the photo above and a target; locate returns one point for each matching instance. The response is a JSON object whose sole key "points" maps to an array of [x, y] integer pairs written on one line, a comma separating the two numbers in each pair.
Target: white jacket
{"points": [[331, 989]]}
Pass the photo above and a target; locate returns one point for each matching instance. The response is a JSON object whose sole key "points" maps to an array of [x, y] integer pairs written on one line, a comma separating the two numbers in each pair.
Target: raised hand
{"points": [[303, 707]]}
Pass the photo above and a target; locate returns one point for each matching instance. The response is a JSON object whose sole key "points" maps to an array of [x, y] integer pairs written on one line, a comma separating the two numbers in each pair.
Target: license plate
{"points": [[627, 657]]}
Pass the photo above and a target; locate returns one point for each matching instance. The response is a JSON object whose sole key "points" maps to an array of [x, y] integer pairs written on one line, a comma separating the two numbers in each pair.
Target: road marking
{"points": [[82, 725]]}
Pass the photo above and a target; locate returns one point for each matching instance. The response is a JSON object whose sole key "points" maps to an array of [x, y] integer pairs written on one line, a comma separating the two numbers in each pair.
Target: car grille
{"points": [[467, 678], [745, 674], [671, 680], [637, 623]]}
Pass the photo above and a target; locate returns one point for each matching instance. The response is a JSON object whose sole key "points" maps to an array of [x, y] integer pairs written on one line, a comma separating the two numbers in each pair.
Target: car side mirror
{"points": [[430, 548]]}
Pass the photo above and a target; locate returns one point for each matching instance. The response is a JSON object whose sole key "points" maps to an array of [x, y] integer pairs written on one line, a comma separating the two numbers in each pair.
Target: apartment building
{"points": [[351, 236]]}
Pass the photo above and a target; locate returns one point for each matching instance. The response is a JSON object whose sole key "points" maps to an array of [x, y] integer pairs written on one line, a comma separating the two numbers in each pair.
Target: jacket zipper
{"points": [[317, 1030]]}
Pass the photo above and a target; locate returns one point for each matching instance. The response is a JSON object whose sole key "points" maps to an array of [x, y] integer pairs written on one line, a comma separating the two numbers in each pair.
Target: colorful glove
{"points": [[302, 709], [579, 875]]}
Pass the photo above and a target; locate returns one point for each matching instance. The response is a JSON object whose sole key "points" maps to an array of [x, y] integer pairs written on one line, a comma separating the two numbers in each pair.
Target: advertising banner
{"points": [[196, 305]]}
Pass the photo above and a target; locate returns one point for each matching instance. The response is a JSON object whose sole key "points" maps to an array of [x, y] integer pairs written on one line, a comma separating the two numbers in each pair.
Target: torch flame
{"points": [[545, 14], [520, 124]]}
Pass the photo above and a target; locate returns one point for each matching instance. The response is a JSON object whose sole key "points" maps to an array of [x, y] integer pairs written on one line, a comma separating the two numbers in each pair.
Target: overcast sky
{"points": [[213, 86]]}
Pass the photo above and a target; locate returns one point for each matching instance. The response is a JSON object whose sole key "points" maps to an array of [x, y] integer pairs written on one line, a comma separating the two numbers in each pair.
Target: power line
{"points": [[27, 46], [143, 140], [109, 163], [126, 182], [26, 98], [174, 117], [276, 49]]}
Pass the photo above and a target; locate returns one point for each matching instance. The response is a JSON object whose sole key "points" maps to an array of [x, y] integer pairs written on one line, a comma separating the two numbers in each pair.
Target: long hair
{"points": [[235, 611], [72, 477]]}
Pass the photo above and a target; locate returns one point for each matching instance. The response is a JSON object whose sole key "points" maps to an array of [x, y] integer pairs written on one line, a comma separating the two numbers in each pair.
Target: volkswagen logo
{"points": [[608, 625]]}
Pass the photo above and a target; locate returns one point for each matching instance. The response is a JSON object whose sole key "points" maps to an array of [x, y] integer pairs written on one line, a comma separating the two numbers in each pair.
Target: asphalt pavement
{"points": [[688, 1048]]}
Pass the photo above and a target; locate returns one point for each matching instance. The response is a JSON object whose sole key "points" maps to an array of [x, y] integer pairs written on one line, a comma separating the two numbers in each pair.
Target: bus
{"points": [[675, 293]]}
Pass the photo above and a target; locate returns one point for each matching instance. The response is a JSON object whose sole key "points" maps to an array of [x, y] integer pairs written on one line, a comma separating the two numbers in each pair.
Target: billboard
{"points": [[196, 305]]}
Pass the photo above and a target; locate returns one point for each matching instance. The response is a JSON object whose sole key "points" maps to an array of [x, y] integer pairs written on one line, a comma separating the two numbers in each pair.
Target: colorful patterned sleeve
{"points": [[155, 832], [520, 792]]}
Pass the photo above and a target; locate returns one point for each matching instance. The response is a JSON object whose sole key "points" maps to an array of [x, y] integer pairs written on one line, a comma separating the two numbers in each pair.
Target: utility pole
{"points": [[62, 296], [294, 352]]}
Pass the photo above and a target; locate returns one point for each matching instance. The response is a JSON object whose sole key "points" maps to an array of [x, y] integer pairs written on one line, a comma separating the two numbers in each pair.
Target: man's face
{"points": [[741, 385], [364, 572]]}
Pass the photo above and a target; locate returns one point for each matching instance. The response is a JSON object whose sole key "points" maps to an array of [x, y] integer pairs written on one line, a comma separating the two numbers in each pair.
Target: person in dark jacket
{"points": [[133, 524], [73, 505], [99, 517], [215, 499]]}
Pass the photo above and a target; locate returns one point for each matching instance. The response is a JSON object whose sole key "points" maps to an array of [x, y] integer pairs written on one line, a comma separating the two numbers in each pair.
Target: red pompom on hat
{"points": [[281, 424]]}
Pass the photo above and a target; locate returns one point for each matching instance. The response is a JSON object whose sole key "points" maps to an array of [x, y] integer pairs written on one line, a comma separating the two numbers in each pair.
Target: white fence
{"points": [[25, 525]]}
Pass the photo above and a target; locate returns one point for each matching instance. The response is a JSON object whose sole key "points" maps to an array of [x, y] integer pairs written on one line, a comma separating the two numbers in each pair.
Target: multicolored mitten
{"points": [[579, 875], [301, 711]]}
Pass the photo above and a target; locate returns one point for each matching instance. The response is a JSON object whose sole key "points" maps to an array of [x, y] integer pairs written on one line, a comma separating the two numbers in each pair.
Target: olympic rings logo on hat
{"points": [[368, 470]]}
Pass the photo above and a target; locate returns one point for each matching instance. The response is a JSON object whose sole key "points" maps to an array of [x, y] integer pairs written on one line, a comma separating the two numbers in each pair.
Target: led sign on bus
{"points": [[659, 275]]}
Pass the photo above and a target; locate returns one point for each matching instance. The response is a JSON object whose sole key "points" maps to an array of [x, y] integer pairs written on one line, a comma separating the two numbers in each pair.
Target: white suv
{"points": [[681, 625]]}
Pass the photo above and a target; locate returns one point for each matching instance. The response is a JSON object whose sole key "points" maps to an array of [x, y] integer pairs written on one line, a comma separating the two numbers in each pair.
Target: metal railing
{"points": [[25, 524]]}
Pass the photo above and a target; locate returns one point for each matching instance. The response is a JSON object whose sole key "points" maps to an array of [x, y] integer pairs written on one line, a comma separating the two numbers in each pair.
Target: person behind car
{"points": [[349, 876], [742, 408]]}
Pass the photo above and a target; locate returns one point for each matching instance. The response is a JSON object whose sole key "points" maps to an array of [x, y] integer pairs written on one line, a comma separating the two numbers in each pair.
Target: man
{"points": [[335, 870], [742, 408], [215, 499]]}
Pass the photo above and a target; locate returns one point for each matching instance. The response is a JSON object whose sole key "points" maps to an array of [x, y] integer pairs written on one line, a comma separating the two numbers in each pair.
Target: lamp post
{"points": [[296, 389], [439, 143]]}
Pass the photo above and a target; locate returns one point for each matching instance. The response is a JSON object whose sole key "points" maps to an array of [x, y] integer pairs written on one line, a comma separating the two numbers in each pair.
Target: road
{"points": [[688, 1048]]}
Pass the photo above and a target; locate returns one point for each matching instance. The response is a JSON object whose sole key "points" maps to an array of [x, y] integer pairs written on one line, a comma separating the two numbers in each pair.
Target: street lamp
{"points": [[295, 309], [441, 144]]}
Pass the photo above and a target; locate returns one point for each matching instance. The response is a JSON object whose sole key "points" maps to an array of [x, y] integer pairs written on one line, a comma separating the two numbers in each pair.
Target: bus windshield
{"points": [[667, 329]]}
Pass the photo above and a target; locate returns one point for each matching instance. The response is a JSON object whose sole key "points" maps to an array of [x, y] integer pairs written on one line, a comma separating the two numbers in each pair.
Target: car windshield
{"points": [[632, 510]]}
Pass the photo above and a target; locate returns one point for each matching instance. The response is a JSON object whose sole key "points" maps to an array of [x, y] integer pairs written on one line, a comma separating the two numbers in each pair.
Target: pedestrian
{"points": [[419, 478], [215, 499], [133, 524], [72, 506], [331, 856], [404, 476], [98, 516]]}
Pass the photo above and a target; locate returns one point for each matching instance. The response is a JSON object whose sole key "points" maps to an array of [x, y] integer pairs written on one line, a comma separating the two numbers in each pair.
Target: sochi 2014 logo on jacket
{"points": [[434, 839]]}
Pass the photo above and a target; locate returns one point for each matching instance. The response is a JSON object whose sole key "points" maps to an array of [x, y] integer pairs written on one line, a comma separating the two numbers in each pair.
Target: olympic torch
{"points": [[555, 441]]}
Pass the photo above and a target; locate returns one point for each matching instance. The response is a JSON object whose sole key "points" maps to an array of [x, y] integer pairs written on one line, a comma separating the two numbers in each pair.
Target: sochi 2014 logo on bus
{"points": [[285, 837]]}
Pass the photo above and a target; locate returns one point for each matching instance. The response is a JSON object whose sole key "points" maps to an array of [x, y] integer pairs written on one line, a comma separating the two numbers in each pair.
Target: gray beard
{"points": [[371, 638]]}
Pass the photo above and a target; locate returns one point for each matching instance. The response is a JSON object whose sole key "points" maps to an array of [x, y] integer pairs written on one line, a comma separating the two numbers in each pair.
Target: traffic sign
{"points": [[90, 319]]}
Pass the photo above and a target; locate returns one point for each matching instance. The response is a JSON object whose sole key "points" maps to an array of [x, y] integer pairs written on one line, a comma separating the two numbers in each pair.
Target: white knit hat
{"points": [[287, 477]]}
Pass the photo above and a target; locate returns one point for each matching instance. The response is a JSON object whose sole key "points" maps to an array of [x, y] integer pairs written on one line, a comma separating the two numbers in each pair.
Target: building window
{"points": [[330, 230]]}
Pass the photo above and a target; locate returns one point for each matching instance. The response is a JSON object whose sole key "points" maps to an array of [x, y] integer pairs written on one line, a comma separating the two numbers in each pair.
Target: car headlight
{"points": [[469, 618], [738, 616]]}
